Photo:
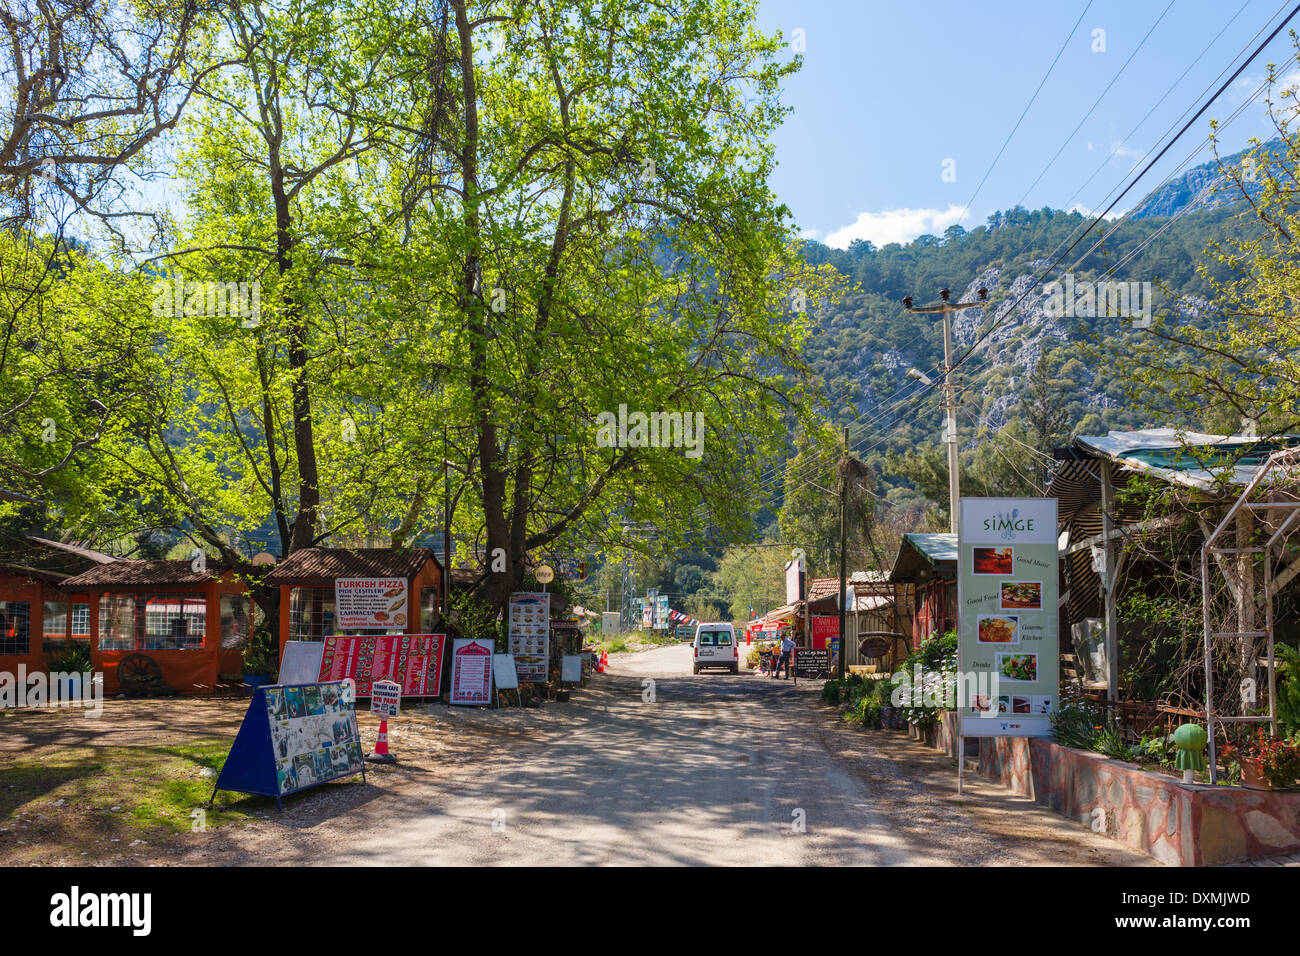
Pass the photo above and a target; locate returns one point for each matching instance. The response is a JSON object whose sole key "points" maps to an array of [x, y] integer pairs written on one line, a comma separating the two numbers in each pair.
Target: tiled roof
{"points": [[312, 564], [142, 573]]}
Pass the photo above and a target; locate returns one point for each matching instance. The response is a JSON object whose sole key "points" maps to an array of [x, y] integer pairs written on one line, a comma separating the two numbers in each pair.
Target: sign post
{"points": [[1008, 645], [385, 701]]}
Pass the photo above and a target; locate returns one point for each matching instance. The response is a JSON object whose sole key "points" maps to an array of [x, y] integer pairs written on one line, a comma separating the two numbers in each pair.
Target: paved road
{"points": [[715, 770]]}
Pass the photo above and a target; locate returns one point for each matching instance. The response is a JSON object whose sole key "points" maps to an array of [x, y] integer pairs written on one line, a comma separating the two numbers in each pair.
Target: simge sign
{"points": [[1007, 614]]}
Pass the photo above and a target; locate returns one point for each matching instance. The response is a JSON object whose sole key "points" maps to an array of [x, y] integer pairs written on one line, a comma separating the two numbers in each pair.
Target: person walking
{"points": [[787, 649]]}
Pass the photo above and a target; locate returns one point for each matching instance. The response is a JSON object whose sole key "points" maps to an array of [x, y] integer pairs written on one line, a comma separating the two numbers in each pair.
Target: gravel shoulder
{"points": [[708, 769]]}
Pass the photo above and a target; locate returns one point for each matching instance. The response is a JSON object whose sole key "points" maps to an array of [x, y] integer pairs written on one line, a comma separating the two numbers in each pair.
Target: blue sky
{"points": [[891, 91]]}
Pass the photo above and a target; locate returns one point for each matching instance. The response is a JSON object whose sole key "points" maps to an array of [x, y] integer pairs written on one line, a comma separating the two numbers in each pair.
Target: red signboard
{"points": [[825, 629], [412, 660]]}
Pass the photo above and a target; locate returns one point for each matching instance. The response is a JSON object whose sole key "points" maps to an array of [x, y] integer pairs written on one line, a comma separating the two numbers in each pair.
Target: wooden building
{"points": [[165, 618], [39, 614], [928, 562], [306, 581]]}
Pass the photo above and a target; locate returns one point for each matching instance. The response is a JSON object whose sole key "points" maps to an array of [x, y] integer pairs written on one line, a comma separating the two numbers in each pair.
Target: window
{"points": [[311, 614], [236, 620], [152, 622], [63, 625], [715, 639], [429, 598], [15, 627], [81, 621]]}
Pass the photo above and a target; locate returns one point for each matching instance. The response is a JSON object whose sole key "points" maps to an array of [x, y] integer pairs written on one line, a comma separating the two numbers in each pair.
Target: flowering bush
{"points": [[935, 661], [1277, 759]]}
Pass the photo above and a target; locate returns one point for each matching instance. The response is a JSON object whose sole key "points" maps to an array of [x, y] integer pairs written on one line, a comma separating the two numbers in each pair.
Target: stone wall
{"points": [[1180, 825]]}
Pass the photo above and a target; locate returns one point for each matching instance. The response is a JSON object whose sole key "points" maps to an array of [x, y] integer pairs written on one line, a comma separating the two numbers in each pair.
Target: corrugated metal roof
{"points": [[312, 564], [785, 612], [928, 551], [82, 552], [1188, 458], [142, 573], [940, 546]]}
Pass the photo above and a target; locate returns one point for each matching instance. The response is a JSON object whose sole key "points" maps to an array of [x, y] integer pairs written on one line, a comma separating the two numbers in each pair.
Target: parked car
{"points": [[715, 646]]}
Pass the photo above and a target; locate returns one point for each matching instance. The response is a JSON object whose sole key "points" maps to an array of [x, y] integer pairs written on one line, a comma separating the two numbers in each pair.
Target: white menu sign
{"points": [[471, 671], [530, 633], [377, 603]]}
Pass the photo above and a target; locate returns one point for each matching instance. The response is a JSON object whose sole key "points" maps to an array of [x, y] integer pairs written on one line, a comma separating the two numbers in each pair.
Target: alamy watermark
{"points": [[174, 298], [655, 430], [1125, 300], [54, 689], [967, 690]]}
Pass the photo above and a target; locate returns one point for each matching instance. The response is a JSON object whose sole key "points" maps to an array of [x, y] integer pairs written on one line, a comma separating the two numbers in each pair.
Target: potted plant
{"points": [[260, 659], [70, 665], [1265, 762]]}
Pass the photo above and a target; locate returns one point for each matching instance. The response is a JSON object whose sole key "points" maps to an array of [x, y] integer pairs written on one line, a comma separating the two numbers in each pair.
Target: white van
{"points": [[715, 646]]}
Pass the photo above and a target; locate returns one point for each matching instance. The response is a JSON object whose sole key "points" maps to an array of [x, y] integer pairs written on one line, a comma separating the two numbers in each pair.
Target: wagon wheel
{"points": [[138, 668]]}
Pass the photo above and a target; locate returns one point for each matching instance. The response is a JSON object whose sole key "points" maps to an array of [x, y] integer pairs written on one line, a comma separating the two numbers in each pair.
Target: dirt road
{"points": [[714, 769]]}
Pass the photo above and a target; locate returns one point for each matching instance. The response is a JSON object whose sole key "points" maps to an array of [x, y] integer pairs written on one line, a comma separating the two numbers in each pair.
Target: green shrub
{"points": [[75, 660], [1288, 689], [866, 712], [1077, 724], [831, 692], [1109, 742]]}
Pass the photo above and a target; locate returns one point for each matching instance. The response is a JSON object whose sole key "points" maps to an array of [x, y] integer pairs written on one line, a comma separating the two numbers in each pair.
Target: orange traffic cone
{"points": [[381, 754], [604, 662]]}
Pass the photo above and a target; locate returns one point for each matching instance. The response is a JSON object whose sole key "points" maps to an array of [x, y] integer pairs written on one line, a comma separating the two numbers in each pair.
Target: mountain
{"points": [[1027, 364], [1205, 186]]}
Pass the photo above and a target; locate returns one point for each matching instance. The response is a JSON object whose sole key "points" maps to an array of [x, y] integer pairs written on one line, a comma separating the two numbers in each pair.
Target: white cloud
{"points": [[1083, 210], [809, 233], [1117, 150], [895, 225]]}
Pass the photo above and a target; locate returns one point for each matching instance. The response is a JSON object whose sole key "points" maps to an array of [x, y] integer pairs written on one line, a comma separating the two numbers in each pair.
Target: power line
{"points": [[1096, 103], [1186, 126], [970, 202]]}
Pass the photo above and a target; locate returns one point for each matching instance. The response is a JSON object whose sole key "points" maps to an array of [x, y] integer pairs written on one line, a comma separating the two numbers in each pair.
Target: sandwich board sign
{"points": [[471, 671], [571, 669], [293, 737], [1008, 643], [300, 662], [503, 672]]}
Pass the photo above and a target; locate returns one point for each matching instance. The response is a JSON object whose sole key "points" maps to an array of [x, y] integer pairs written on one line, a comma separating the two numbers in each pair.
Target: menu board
{"points": [[471, 671], [413, 661], [812, 662], [370, 603], [530, 634], [313, 734], [1007, 631]]}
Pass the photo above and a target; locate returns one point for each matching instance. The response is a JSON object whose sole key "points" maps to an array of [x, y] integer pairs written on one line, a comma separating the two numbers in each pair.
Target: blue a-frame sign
{"points": [[250, 766]]}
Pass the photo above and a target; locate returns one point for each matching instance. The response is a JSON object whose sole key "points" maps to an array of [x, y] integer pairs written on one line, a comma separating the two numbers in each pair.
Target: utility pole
{"points": [[844, 550], [946, 308]]}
